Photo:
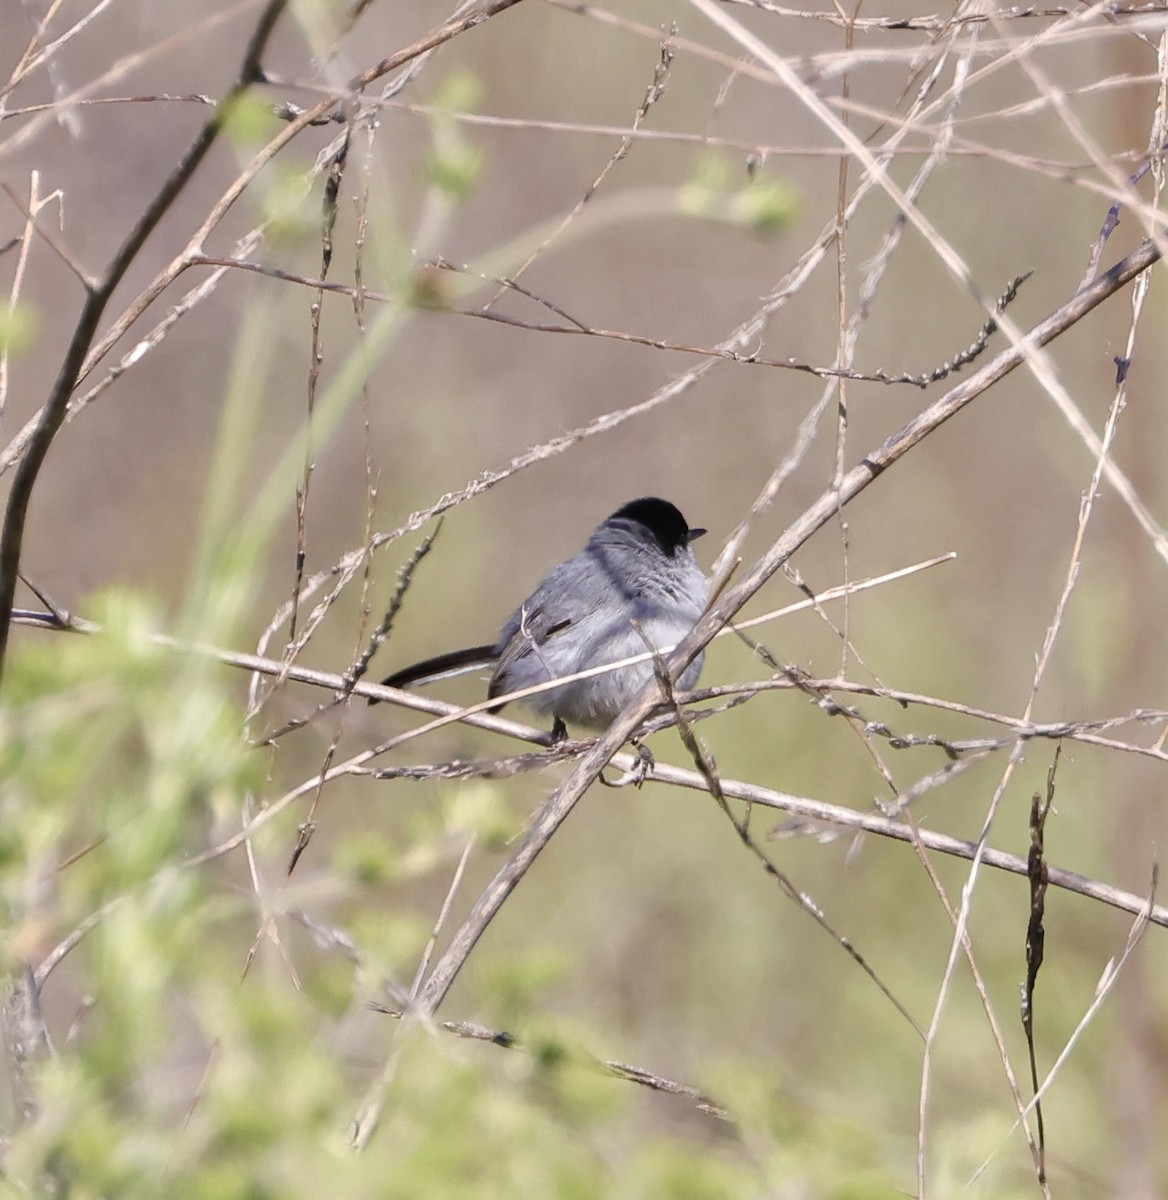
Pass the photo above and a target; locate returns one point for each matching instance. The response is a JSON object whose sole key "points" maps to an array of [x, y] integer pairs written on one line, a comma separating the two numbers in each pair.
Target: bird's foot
{"points": [[637, 776], [645, 762]]}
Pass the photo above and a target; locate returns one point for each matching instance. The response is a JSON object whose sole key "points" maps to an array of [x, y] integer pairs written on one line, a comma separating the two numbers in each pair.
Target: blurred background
{"points": [[646, 932]]}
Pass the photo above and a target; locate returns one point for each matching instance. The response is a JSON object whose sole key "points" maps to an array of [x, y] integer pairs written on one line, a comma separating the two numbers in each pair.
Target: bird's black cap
{"points": [[663, 521]]}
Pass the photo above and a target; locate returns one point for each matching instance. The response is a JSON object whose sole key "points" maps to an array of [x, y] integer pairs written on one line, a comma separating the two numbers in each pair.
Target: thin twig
{"points": [[97, 296], [368, 1116], [1036, 870], [618, 1070], [707, 768], [1107, 982]]}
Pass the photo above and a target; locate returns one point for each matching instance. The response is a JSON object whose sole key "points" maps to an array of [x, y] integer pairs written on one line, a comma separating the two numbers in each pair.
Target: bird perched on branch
{"points": [[634, 588]]}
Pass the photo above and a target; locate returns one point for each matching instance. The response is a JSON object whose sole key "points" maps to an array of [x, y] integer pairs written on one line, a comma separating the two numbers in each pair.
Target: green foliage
{"points": [[187, 1076], [481, 809], [685, 1174], [18, 328], [460, 91], [455, 163], [249, 120], [391, 941], [368, 858], [514, 987], [283, 190], [720, 192]]}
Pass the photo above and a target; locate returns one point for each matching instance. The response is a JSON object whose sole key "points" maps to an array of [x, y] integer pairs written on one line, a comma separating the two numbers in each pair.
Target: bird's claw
{"points": [[637, 776]]}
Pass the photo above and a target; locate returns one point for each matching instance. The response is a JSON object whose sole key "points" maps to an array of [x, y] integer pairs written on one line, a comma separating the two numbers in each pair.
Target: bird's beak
{"points": [[694, 534]]}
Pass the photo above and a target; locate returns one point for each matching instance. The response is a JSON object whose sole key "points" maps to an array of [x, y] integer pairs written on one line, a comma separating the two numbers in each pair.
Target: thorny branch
{"points": [[1039, 876]]}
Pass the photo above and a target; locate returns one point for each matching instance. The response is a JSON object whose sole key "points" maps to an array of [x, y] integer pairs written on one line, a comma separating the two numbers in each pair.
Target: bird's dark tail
{"points": [[442, 667]]}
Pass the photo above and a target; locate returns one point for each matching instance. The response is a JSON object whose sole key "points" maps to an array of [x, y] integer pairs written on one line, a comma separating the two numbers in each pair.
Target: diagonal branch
{"points": [[564, 798], [98, 293]]}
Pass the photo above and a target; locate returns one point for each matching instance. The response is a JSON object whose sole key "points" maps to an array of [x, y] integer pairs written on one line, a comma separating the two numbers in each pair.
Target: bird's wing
{"points": [[532, 626], [551, 610]]}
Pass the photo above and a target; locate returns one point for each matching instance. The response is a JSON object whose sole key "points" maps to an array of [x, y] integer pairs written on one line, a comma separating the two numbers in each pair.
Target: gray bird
{"points": [[636, 586]]}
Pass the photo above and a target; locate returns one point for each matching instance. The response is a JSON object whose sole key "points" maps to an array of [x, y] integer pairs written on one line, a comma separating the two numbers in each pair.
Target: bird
{"points": [[635, 587]]}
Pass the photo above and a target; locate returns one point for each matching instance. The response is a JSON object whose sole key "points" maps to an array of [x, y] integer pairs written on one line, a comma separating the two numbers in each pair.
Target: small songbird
{"points": [[634, 587]]}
